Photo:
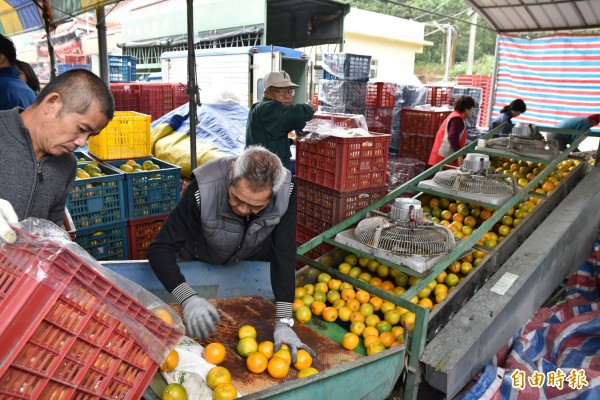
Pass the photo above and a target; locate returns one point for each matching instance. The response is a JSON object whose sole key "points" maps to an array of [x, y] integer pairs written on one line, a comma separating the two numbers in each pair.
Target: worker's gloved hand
{"points": [[200, 317], [285, 334], [8, 216]]}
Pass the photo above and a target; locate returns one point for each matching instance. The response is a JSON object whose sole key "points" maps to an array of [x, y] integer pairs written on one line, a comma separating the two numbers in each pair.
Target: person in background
{"points": [[36, 146], [13, 91], [235, 208], [27, 75], [581, 124], [452, 134], [274, 117], [514, 109]]}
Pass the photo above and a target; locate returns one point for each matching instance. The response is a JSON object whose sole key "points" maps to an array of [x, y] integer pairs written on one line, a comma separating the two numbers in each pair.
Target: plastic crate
{"points": [[415, 146], [384, 94], [140, 233], [125, 96], [180, 95], [342, 94], [344, 120], [354, 67], [439, 96], [319, 208], [344, 164], [97, 202], [121, 68], [60, 68], [126, 136], [61, 340], [303, 235], [151, 193], [155, 99], [105, 243], [82, 156], [421, 122], [379, 119]]}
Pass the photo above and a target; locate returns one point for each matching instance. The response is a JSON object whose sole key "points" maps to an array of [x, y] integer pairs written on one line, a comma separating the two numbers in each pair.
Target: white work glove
{"points": [[8, 216], [200, 317], [285, 334]]}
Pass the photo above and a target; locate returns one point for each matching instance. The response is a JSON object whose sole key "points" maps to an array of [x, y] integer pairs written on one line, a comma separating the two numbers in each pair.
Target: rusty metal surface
{"points": [[260, 313]]}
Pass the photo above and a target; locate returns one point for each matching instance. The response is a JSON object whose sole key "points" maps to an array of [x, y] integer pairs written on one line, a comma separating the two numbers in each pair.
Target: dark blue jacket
{"points": [[13, 91]]}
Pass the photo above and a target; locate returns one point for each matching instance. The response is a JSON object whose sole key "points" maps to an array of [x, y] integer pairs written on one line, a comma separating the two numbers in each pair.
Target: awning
{"points": [[510, 16], [18, 16]]}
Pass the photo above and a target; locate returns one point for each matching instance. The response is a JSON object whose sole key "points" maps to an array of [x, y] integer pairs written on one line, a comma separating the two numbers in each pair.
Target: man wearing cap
{"points": [[13, 91], [271, 119], [581, 124]]}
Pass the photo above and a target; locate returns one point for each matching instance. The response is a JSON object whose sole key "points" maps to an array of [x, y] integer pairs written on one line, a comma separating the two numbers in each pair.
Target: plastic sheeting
{"points": [[220, 131]]}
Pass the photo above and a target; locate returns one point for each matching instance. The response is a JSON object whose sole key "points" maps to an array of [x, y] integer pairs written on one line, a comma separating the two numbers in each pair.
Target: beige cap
{"points": [[278, 79]]}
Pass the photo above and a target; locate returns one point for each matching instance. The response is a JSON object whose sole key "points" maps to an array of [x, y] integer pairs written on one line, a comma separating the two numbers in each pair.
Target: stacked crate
{"points": [[154, 99], [144, 198], [439, 96], [485, 83], [121, 68], [336, 177], [344, 87], [417, 132], [384, 104], [473, 122]]}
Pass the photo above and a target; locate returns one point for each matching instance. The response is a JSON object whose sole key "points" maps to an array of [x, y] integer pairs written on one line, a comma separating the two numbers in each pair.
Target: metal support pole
{"points": [[448, 51], [192, 86], [471, 54], [102, 47], [46, 15]]}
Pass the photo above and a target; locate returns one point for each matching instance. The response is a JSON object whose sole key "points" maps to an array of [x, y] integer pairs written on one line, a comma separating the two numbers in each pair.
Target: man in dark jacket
{"points": [[36, 146], [13, 91], [274, 117], [234, 209]]}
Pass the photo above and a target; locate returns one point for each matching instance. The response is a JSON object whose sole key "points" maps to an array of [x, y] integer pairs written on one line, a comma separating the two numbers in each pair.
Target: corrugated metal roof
{"points": [[513, 16]]}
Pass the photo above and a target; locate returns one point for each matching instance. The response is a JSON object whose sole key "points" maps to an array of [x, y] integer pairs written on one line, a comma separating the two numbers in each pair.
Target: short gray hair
{"points": [[261, 168]]}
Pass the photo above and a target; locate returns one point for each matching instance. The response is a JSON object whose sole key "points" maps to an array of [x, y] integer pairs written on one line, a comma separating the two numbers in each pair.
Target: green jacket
{"points": [[269, 123]]}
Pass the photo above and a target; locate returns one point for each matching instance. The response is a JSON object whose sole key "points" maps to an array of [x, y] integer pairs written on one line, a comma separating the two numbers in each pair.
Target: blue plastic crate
{"points": [[122, 68], [106, 243], [151, 192], [353, 67], [60, 68], [98, 202]]}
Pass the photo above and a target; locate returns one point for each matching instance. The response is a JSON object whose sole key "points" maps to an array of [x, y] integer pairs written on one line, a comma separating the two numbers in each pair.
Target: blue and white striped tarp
{"points": [[558, 77]]}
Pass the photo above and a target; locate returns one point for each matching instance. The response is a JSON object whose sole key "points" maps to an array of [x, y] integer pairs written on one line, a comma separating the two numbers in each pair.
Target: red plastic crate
{"points": [[421, 122], [125, 96], [60, 339], [344, 164], [140, 233], [344, 120], [303, 235], [382, 94], [415, 146], [319, 208], [379, 119], [180, 95], [439, 96], [155, 99]]}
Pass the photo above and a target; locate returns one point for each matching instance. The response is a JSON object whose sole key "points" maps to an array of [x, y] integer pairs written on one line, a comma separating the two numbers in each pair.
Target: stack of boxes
{"points": [[384, 104], [117, 215], [154, 99], [485, 83], [343, 88], [473, 122]]}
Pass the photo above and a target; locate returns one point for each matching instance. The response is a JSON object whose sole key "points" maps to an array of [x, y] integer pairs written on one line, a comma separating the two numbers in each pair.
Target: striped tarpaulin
{"points": [[558, 77]]}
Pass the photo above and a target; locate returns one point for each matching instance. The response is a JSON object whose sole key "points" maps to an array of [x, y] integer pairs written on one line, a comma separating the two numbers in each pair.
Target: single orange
{"points": [[225, 391], [307, 372], [214, 353], [174, 391], [297, 304], [217, 376], [317, 307], [330, 314], [171, 361], [266, 348], [371, 339], [278, 367], [303, 360], [257, 362], [350, 341], [247, 331], [387, 286], [284, 354], [247, 346], [387, 338]]}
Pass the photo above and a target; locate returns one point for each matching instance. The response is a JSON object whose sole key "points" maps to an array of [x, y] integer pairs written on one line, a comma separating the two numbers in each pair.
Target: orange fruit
{"points": [[303, 314], [350, 341], [372, 320], [266, 348], [284, 354], [408, 319], [339, 303], [299, 292], [363, 296], [357, 327], [164, 315], [171, 361], [375, 347], [307, 372], [376, 302], [370, 331], [174, 391], [214, 353], [426, 303], [398, 331], [370, 339], [357, 316], [217, 376], [353, 304], [245, 331], [247, 346], [387, 286], [334, 284], [278, 367], [297, 304], [329, 314], [348, 294], [225, 391], [387, 338], [344, 313], [257, 362], [317, 307], [303, 360], [375, 281]]}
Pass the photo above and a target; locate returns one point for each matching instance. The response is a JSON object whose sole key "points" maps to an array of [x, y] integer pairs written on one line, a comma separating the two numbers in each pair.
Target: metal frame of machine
{"points": [[420, 332]]}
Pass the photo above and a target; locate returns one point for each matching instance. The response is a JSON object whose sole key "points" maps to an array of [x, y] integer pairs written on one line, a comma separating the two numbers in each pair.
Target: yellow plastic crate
{"points": [[126, 136]]}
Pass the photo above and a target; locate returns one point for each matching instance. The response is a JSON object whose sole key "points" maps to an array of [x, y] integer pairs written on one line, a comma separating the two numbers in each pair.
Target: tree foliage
{"points": [[433, 13]]}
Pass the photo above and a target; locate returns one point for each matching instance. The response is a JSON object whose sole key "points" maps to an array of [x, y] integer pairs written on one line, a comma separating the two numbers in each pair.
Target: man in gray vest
{"points": [[235, 208]]}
